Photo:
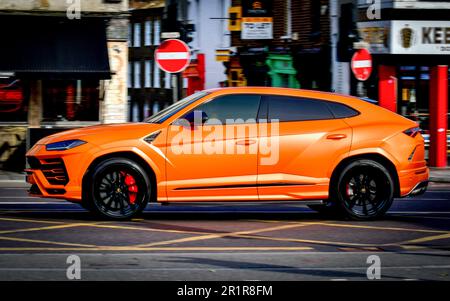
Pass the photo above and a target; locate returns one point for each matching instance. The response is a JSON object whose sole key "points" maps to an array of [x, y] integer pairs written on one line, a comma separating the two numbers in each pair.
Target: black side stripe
{"points": [[241, 186]]}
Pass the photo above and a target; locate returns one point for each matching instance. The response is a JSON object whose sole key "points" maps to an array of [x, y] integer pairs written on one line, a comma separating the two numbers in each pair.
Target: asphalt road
{"points": [[216, 242]]}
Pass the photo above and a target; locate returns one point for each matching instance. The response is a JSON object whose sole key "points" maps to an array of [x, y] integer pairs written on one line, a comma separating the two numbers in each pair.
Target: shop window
{"points": [[13, 101], [70, 100]]}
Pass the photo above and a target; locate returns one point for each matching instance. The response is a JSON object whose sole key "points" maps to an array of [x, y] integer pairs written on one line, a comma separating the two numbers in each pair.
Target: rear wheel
{"points": [[364, 190], [118, 188]]}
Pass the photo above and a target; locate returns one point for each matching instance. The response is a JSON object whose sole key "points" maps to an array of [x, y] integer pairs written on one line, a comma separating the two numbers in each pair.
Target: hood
{"points": [[104, 133]]}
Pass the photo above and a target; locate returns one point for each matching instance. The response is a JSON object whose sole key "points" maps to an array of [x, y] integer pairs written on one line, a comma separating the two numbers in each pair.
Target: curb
{"points": [[439, 179]]}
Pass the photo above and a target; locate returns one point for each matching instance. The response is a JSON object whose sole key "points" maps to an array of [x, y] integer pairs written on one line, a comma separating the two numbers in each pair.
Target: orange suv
{"points": [[334, 153]]}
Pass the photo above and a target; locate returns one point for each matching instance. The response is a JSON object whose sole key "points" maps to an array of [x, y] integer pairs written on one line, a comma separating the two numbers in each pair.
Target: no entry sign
{"points": [[362, 64], [172, 56]]}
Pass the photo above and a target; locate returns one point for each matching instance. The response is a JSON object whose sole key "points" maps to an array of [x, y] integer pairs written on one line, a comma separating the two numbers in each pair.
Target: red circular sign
{"points": [[172, 56], [362, 64]]}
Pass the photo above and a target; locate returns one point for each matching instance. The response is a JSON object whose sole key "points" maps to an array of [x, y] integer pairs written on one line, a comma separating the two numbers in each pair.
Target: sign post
{"points": [[173, 56]]}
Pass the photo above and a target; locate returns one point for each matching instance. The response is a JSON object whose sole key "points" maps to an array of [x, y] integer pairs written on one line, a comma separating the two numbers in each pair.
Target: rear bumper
{"points": [[412, 179], [419, 189]]}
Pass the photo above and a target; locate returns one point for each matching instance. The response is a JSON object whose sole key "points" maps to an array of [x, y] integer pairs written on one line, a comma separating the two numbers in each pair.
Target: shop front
{"points": [[51, 79], [410, 77]]}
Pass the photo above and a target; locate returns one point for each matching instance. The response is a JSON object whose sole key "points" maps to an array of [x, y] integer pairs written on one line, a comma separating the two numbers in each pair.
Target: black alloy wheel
{"points": [[119, 189], [365, 190]]}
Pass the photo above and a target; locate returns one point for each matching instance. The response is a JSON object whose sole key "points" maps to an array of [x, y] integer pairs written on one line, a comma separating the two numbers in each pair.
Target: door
{"points": [[305, 141], [212, 151]]}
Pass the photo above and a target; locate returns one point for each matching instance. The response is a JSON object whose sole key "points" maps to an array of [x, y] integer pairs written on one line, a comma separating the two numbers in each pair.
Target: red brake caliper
{"points": [[132, 187]]}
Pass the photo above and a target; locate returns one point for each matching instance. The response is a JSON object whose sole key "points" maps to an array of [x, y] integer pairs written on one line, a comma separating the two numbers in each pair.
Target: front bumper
{"points": [[57, 174]]}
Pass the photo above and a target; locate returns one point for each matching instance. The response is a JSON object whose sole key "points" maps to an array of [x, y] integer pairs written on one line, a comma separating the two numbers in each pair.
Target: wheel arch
{"points": [[128, 155], [390, 166]]}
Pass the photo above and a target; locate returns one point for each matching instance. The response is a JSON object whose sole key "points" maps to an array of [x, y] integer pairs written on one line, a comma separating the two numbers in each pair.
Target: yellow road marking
{"points": [[219, 235], [145, 229], [379, 228], [425, 239], [45, 242], [29, 220], [161, 249], [44, 228]]}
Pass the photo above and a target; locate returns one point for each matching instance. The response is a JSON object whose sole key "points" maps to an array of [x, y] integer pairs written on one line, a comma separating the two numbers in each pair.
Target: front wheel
{"points": [[364, 190], [118, 188]]}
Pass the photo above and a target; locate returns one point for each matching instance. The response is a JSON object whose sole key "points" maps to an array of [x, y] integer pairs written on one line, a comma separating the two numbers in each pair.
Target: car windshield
{"points": [[163, 115]]}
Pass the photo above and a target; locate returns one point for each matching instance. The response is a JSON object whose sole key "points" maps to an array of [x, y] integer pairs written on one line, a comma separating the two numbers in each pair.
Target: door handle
{"points": [[245, 142], [336, 136]]}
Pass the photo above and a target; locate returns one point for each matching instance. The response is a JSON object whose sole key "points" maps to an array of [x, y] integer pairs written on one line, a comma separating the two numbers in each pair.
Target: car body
{"points": [[329, 147]]}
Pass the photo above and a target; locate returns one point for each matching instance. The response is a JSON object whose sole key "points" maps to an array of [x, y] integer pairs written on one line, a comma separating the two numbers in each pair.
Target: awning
{"points": [[50, 47]]}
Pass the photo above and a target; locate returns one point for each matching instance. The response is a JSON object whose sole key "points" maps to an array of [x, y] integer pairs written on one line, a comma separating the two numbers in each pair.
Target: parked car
{"points": [[336, 153]]}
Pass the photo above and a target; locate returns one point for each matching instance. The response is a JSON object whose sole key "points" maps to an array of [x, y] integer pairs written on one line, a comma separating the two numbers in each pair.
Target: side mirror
{"points": [[194, 118]]}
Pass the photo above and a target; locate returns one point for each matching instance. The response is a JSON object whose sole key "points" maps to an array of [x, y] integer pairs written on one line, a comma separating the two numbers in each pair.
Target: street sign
{"points": [[172, 56], [362, 64], [170, 35]]}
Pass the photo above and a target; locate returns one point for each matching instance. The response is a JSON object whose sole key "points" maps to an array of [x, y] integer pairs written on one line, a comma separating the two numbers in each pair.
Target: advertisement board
{"points": [[257, 21], [406, 36]]}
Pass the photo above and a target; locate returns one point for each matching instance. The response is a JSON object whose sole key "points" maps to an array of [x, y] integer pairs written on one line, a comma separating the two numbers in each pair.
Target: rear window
{"points": [[341, 111], [287, 108]]}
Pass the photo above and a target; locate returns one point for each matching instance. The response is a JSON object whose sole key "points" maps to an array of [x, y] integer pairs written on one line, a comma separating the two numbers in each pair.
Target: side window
{"points": [[287, 108], [235, 106], [341, 111]]}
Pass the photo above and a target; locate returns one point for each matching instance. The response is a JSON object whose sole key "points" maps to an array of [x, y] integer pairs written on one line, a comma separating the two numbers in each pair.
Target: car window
{"points": [[165, 114], [287, 108], [233, 106], [341, 111]]}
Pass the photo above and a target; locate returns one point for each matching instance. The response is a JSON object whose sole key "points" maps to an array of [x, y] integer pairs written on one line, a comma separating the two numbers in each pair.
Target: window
{"points": [[285, 108], [157, 25], [168, 78], [148, 33], [70, 100], [148, 74], [137, 74], [137, 35], [341, 111], [130, 75], [236, 106], [157, 73], [163, 115], [130, 35]]}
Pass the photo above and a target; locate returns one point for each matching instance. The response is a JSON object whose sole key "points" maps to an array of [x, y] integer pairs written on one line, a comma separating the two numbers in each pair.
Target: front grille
{"points": [[53, 169]]}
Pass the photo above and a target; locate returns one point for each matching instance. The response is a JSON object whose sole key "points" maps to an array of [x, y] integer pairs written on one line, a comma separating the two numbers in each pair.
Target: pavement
{"points": [[282, 241]]}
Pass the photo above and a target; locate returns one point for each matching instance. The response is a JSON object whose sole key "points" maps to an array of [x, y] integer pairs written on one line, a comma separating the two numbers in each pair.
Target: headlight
{"points": [[64, 145]]}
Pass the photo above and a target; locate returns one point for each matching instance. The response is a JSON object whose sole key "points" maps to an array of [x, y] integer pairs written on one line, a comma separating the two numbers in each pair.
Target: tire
{"points": [[117, 188], [364, 190]]}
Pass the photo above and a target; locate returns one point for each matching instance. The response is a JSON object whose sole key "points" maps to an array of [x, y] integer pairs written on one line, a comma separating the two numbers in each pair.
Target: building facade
{"points": [[63, 64], [410, 46], [282, 43]]}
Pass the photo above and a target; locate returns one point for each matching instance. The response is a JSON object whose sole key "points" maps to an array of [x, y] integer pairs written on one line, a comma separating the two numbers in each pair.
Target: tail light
{"points": [[412, 132]]}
